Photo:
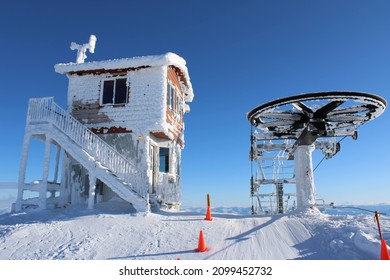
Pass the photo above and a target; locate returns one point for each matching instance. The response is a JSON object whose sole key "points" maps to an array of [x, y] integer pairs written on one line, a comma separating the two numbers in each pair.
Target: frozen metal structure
{"points": [[290, 129], [82, 49], [120, 137]]}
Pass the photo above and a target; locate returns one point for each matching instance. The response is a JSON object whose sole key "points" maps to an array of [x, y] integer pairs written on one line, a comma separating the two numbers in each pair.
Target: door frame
{"points": [[153, 156]]}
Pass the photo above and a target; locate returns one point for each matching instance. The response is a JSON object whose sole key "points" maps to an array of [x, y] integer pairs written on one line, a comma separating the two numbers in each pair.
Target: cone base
{"points": [[202, 250]]}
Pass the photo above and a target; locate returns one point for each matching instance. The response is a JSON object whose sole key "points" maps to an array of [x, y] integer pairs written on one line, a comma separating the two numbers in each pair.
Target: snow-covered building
{"points": [[121, 135]]}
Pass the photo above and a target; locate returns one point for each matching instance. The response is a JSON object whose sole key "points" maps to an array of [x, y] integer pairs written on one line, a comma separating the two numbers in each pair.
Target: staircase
{"points": [[46, 119]]}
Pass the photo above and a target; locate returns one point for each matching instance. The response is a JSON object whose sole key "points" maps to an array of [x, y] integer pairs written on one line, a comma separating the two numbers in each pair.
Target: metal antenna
{"points": [[82, 49]]}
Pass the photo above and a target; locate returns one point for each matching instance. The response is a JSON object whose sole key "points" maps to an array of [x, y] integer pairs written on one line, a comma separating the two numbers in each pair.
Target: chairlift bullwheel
{"points": [[306, 117]]}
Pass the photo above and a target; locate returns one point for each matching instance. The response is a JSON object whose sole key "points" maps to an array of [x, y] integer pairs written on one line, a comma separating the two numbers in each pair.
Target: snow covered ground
{"points": [[111, 232]]}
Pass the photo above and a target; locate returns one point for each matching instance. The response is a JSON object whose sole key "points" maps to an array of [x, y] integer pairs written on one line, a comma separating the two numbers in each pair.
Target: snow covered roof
{"points": [[167, 59]]}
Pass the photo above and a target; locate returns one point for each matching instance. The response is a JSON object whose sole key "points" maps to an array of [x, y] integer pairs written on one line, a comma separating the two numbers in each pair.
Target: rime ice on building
{"points": [[121, 135]]}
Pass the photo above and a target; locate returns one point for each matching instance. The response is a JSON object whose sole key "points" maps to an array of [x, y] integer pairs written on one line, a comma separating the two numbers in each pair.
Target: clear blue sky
{"points": [[239, 54]]}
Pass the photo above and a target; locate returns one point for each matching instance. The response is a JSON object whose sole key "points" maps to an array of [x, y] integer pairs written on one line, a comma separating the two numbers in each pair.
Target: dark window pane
{"points": [[120, 91], [108, 92], [164, 160]]}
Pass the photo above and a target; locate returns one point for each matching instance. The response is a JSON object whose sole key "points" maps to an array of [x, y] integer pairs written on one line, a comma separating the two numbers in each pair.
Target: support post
{"points": [[304, 176], [22, 171], [279, 193], [45, 175], [57, 163], [92, 187]]}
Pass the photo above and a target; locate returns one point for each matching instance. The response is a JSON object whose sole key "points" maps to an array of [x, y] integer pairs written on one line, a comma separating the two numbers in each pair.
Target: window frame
{"points": [[171, 93], [179, 106], [167, 160], [174, 100], [114, 79]]}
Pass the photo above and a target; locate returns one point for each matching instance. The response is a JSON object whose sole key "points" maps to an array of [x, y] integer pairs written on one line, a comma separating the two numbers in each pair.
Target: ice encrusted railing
{"points": [[42, 110]]}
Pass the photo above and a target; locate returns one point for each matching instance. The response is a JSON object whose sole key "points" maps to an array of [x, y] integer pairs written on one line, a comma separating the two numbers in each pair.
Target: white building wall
{"points": [[145, 110]]}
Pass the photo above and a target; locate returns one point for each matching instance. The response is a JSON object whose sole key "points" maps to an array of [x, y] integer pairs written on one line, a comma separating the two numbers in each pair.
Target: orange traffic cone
{"points": [[384, 251], [208, 214], [201, 244]]}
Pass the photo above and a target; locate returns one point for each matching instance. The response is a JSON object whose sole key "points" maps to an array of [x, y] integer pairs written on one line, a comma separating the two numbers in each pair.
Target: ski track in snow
{"points": [[99, 234]]}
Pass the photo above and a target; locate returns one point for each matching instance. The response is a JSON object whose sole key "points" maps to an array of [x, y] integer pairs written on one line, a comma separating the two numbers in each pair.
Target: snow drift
{"points": [[110, 232]]}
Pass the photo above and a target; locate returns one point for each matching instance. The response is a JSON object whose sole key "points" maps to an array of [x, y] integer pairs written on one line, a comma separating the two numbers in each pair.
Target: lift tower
{"points": [[301, 121]]}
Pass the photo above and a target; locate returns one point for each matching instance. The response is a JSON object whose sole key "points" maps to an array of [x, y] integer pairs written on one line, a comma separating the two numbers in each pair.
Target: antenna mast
{"points": [[82, 49]]}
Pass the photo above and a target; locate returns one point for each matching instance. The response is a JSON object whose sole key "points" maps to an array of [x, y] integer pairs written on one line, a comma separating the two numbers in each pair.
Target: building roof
{"points": [[168, 59]]}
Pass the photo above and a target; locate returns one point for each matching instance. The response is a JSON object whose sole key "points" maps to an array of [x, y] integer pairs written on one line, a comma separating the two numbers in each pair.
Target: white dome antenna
{"points": [[82, 49]]}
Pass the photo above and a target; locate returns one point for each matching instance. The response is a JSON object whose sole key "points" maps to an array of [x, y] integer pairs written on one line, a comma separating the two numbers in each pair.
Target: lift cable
{"points": [[358, 208]]}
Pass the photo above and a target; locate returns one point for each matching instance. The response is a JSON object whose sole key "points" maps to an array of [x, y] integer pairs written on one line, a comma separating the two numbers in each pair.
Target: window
{"points": [[170, 95], [164, 159], [174, 101], [115, 91]]}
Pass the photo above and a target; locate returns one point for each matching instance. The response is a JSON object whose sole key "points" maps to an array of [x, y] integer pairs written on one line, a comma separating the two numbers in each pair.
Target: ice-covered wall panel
{"points": [[144, 111], [83, 90]]}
